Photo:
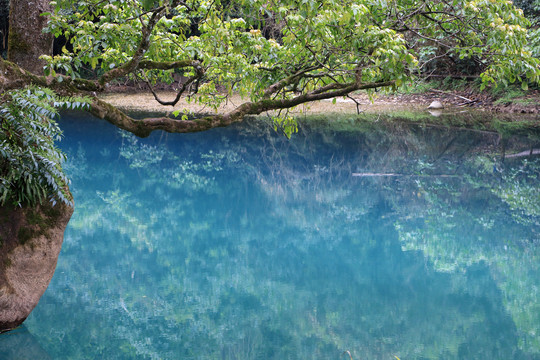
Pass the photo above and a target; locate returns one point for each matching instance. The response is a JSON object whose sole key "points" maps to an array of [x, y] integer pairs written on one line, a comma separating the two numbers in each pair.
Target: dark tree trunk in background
{"points": [[26, 40], [4, 24]]}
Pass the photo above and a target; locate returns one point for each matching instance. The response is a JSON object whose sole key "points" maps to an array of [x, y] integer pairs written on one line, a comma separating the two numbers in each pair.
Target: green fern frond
{"points": [[30, 163]]}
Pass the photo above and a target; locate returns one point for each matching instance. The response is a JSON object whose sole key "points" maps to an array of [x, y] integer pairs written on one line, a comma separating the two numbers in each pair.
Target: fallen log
{"points": [[523, 153], [401, 175]]}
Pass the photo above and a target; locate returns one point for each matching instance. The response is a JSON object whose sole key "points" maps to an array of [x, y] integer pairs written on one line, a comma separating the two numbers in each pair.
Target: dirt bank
{"points": [[530, 104]]}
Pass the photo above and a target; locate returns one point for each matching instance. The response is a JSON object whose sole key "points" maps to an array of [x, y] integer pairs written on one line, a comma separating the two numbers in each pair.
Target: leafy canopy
{"points": [[268, 49]]}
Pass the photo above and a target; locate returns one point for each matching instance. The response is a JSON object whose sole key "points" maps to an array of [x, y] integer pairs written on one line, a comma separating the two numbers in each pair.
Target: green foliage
{"points": [[247, 46], [520, 191], [531, 8], [507, 94], [30, 164], [534, 38], [286, 125]]}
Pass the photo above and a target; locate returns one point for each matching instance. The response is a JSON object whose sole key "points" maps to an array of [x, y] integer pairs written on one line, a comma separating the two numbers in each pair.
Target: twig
{"points": [[453, 76], [357, 104], [467, 103], [449, 93]]}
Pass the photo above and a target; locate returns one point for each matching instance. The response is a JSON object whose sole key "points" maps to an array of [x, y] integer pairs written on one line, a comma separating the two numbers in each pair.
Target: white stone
{"points": [[436, 105]]}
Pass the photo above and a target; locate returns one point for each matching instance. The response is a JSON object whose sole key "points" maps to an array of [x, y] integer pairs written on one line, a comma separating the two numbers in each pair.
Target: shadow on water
{"points": [[383, 239], [20, 344]]}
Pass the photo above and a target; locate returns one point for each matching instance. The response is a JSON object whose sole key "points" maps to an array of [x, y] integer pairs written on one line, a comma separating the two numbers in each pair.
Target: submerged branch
{"points": [[402, 175], [523, 154]]}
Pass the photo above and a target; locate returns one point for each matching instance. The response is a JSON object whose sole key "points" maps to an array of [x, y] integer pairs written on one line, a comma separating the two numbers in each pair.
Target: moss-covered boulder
{"points": [[30, 242]]}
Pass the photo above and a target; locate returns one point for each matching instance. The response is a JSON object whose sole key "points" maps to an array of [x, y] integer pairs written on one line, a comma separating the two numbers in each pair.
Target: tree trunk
{"points": [[26, 41]]}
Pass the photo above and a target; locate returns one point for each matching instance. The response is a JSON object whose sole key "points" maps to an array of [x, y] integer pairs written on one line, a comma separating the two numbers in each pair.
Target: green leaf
{"points": [[148, 4], [93, 62]]}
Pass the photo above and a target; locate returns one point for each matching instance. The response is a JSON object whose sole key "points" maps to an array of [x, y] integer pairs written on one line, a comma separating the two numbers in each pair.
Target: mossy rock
{"points": [[31, 241]]}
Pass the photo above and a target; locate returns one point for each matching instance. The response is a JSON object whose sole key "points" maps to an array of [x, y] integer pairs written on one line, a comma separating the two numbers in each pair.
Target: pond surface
{"points": [[376, 239]]}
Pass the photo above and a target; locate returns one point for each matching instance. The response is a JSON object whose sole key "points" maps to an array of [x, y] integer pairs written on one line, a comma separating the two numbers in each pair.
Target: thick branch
{"points": [[13, 76], [144, 127], [169, 65], [276, 87]]}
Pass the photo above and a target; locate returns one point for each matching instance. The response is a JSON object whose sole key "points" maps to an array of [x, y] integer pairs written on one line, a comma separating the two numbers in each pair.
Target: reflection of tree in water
{"points": [[456, 221], [487, 216], [243, 244]]}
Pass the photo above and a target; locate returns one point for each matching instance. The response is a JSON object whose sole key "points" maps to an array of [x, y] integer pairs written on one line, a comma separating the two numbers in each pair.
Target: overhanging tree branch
{"points": [[144, 127], [276, 87]]}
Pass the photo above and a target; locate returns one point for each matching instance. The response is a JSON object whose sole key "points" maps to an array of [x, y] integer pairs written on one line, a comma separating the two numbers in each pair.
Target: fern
{"points": [[30, 163]]}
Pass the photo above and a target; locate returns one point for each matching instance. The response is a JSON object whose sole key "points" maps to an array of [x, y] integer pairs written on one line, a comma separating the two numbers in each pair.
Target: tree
{"points": [[279, 54], [27, 41]]}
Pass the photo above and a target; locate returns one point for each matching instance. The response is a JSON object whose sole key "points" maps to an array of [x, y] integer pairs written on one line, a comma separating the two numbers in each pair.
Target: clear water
{"points": [[240, 244]]}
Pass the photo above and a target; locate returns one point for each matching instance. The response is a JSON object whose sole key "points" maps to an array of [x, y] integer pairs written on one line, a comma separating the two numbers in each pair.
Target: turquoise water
{"points": [[378, 239]]}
